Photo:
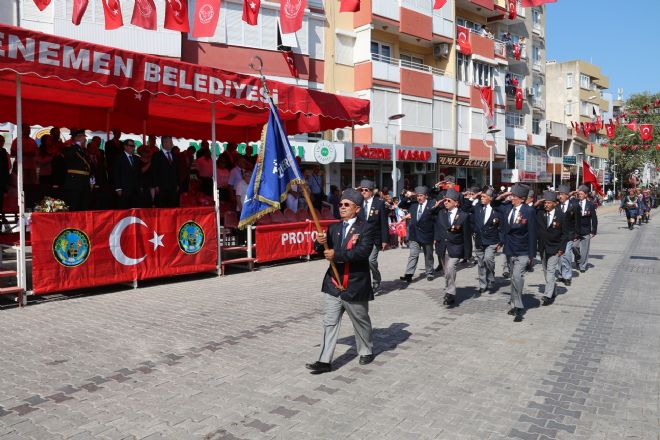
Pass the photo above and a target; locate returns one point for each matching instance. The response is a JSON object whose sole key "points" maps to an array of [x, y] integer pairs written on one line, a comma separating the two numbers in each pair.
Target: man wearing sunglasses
{"points": [[373, 212], [350, 243]]}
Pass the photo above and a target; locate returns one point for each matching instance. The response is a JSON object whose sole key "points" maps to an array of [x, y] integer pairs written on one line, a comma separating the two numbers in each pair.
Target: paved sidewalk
{"points": [[223, 358]]}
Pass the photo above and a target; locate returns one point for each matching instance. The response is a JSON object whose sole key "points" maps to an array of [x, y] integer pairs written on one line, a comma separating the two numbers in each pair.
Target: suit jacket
{"points": [[486, 231], [552, 238], [377, 220], [4, 171], [420, 230], [456, 238], [520, 238], [588, 219], [573, 216], [354, 261], [165, 173], [126, 176], [77, 169]]}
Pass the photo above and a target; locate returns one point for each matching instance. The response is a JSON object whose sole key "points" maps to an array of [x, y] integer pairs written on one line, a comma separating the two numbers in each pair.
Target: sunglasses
{"points": [[365, 190], [346, 205]]}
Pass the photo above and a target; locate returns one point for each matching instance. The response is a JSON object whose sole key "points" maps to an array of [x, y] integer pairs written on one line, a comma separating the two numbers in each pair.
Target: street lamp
{"points": [[395, 177], [554, 164], [492, 131]]}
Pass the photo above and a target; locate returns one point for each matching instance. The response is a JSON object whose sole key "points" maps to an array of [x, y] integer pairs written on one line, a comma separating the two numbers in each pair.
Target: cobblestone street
{"points": [[223, 358]]}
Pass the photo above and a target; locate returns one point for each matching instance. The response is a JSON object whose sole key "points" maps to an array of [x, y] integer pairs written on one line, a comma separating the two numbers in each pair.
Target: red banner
{"points": [[207, 13], [291, 15], [144, 14], [287, 240], [73, 250]]}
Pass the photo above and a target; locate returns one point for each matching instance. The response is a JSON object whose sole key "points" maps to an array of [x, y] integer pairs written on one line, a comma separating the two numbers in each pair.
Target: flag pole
{"points": [[303, 184]]}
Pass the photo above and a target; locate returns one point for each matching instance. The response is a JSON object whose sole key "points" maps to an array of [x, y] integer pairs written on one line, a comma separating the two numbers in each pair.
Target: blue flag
{"points": [[274, 173]]}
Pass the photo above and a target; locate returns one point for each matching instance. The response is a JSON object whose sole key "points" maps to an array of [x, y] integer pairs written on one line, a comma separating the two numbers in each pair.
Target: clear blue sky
{"points": [[619, 36]]}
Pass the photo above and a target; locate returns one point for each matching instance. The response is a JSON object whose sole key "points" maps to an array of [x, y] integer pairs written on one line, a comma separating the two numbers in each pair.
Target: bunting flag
{"points": [[513, 12], [79, 8], [130, 102], [112, 12], [291, 15], [350, 5], [590, 177], [42, 4], [251, 11], [291, 63], [486, 95], [463, 38], [646, 132], [519, 98], [144, 15], [611, 130], [176, 15], [632, 125], [437, 4], [207, 13]]}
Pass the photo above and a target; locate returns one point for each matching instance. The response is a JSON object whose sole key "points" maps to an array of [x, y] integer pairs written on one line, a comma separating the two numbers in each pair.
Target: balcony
{"points": [[386, 68], [517, 133], [511, 52], [500, 49], [536, 66], [482, 46], [538, 104], [397, 63], [538, 139], [443, 83], [387, 9]]}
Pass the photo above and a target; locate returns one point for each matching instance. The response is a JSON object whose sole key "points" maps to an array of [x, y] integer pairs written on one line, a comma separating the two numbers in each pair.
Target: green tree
{"points": [[630, 159]]}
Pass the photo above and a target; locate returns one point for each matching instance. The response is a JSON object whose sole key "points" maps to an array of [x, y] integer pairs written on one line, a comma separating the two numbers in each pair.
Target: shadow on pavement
{"points": [[385, 339]]}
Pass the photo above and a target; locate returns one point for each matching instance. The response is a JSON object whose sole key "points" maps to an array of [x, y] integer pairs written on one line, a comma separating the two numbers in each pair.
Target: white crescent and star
{"points": [[115, 241], [114, 8]]}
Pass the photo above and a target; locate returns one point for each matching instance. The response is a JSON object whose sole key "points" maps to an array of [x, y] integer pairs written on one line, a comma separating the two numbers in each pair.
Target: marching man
{"points": [[350, 244], [629, 204], [588, 225], [485, 223], [571, 210], [552, 227]]}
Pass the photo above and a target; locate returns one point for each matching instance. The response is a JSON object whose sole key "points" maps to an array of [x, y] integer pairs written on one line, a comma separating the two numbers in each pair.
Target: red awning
{"points": [[72, 83]]}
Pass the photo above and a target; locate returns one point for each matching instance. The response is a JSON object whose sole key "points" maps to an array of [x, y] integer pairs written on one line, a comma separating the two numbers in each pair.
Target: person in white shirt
{"points": [[241, 190]]}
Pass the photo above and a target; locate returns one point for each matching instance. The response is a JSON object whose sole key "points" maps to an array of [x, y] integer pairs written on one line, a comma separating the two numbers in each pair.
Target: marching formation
{"points": [[459, 228]]}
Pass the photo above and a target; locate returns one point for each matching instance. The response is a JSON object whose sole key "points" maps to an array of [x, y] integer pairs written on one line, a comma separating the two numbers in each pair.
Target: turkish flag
{"points": [[590, 177], [486, 95], [516, 50], [42, 4], [207, 13], [133, 103], [632, 125], [79, 8], [611, 130], [519, 98], [513, 12], [646, 132], [463, 38], [73, 250], [350, 6], [112, 12], [251, 11], [291, 63], [291, 15], [144, 14], [437, 4], [176, 15]]}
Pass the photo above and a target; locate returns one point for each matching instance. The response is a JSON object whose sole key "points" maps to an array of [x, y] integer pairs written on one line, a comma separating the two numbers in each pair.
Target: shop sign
{"points": [[570, 160], [509, 176], [464, 162], [544, 176], [325, 152], [403, 153], [528, 176]]}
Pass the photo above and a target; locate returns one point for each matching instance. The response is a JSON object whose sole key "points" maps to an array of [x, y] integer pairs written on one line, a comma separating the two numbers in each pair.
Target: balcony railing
{"points": [[500, 49], [407, 64], [538, 103]]}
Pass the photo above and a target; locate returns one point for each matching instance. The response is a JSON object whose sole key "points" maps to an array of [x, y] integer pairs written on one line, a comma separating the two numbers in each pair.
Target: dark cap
{"points": [[489, 191], [366, 184], [473, 189], [583, 188], [549, 196], [452, 194], [77, 132], [520, 190], [352, 195], [564, 189], [421, 190]]}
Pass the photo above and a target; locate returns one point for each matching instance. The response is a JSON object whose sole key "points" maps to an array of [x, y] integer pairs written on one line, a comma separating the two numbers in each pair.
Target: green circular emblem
{"points": [[191, 237], [71, 247], [324, 152]]}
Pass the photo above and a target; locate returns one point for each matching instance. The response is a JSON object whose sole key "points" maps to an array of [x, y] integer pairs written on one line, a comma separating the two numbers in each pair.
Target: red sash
{"points": [[347, 267]]}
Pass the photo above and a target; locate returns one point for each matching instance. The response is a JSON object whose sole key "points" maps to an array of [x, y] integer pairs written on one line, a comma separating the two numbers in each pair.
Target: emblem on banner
{"points": [[292, 8], [145, 8], [191, 237], [206, 14], [71, 247]]}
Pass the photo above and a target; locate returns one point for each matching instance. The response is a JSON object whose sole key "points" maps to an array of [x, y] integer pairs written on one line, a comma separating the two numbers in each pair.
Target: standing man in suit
{"points": [[485, 224], [519, 239], [571, 210], [420, 232], [453, 239], [350, 243], [373, 212], [588, 226], [126, 179], [77, 186], [166, 175], [552, 228]]}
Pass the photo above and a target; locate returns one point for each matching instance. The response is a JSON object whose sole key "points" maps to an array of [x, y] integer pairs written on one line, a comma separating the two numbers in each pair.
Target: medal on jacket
{"points": [[347, 267]]}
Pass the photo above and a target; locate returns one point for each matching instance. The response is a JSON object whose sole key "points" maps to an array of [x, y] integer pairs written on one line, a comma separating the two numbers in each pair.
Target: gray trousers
{"points": [[518, 265], [415, 249], [373, 265], [358, 312], [550, 264], [566, 261], [584, 252], [450, 274], [486, 265]]}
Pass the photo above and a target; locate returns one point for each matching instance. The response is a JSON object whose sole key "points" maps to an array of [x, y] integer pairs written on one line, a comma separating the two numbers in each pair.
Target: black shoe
{"points": [[407, 278], [560, 280], [583, 270], [545, 301], [567, 282], [449, 300], [438, 269], [319, 367], [505, 274], [429, 278], [375, 287], [364, 360], [491, 288], [519, 316], [511, 312], [482, 290]]}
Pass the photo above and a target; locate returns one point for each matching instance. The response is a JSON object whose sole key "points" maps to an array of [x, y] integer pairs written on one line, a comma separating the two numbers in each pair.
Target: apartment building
{"points": [[576, 95]]}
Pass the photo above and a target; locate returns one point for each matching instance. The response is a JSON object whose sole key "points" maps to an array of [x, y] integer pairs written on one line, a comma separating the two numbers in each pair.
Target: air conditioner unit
{"points": [[530, 91], [339, 135], [420, 168], [441, 50]]}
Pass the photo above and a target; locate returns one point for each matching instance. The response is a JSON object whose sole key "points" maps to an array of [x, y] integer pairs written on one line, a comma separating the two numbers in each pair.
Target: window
{"points": [[536, 55], [568, 109], [463, 63], [515, 119], [474, 27], [412, 61], [585, 81], [585, 108], [536, 126], [344, 50], [569, 80], [482, 74], [380, 51], [536, 18]]}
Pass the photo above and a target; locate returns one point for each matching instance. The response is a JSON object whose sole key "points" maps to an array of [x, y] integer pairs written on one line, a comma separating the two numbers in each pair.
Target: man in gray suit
{"points": [[350, 243]]}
